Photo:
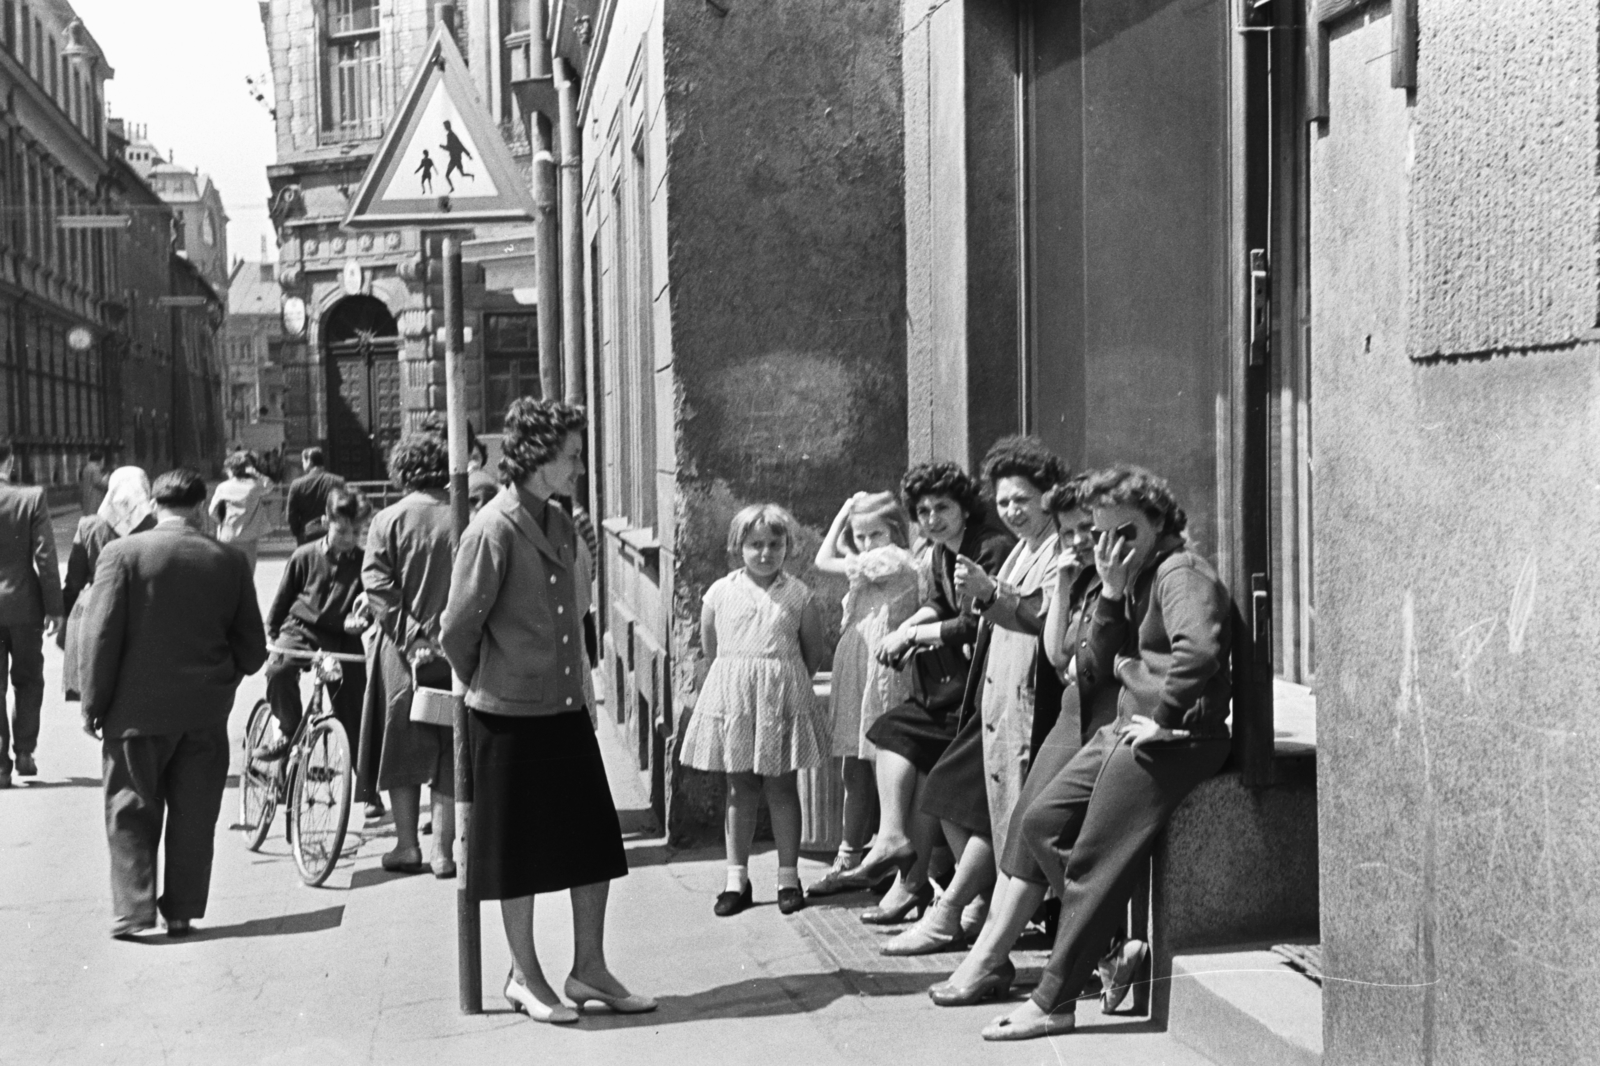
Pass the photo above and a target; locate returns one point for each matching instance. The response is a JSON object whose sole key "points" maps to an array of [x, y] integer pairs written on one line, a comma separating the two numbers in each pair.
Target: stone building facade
{"points": [[252, 344], [742, 215], [369, 362], [59, 287], [202, 223]]}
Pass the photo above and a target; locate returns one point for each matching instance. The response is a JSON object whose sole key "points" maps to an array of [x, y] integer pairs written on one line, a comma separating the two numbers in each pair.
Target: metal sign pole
{"points": [[469, 940]]}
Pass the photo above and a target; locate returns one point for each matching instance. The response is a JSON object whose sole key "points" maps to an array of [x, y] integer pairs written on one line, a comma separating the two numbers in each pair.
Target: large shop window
{"points": [[510, 364], [353, 106]]}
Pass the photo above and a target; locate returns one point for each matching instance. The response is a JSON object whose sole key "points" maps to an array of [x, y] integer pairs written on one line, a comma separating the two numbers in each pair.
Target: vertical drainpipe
{"points": [[572, 349], [546, 249]]}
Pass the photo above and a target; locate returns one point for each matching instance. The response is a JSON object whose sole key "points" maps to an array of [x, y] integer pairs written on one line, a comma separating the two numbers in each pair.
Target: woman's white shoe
{"points": [[582, 994], [523, 1002]]}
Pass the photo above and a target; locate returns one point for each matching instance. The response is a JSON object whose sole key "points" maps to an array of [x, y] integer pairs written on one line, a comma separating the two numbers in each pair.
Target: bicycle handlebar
{"points": [[301, 653]]}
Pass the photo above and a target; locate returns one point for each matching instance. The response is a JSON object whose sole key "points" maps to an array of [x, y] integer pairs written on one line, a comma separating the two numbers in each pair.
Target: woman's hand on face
{"points": [[971, 580], [1144, 730], [1113, 561]]}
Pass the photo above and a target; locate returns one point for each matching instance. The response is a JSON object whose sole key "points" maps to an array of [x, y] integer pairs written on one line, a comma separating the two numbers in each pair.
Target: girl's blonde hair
{"points": [[886, 508], [768, 516]]}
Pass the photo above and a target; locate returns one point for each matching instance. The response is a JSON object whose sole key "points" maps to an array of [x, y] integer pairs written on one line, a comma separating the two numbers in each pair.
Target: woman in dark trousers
{"points": [[911, 737], [542, 816], [1162, 624]]}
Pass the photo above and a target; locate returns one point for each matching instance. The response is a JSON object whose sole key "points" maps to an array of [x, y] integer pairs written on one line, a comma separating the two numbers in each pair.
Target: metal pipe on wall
{"points": [[573, 364], [545, 248]]}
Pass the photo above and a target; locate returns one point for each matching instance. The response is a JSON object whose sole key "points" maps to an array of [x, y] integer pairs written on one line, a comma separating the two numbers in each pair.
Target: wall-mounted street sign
{"points": [[294, 316], [442, 161]]}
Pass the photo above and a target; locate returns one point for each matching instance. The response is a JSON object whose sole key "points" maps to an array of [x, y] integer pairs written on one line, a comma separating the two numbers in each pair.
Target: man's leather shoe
{"points": [[25, 766]]}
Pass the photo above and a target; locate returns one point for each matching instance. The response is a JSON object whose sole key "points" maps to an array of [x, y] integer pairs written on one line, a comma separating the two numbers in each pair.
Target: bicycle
{"points": [[313, 781]]}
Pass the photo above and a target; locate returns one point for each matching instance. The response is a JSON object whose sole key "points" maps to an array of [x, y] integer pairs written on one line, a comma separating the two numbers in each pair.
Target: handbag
{"points": [[432, 706], [938, 678]]}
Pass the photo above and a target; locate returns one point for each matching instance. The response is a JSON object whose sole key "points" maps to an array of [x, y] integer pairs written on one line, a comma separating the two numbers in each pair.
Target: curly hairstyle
{"points": [[1067, 496], [239, 462], [1024, 457], [940, 479], [534, 431], [183, 487], [420, 460], [884, 507], [768, 516], [349, 505], [1138, 487]]}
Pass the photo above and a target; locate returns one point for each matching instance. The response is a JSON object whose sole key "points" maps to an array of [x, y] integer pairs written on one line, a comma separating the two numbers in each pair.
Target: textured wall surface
{"points": [[1459, 810], [1504, 184]]}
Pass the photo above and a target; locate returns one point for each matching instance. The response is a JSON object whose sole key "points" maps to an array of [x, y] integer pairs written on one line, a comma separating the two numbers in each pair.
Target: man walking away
{"points": [[30, 606], [92, 482], [172, 629], [308, 498]]}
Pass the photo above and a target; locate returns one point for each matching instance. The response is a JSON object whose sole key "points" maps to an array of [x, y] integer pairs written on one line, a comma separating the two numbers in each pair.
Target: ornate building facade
{"points": [[366, 362]]}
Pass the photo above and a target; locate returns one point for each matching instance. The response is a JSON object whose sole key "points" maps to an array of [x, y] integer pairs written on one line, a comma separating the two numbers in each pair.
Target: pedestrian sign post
{"points": [[442, 162]]}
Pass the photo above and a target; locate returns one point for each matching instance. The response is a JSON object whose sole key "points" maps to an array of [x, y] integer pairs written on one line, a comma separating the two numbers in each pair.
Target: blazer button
{"points": [[552, 579], [569, 701], [565, 640], [568, 670], [560, 609]]}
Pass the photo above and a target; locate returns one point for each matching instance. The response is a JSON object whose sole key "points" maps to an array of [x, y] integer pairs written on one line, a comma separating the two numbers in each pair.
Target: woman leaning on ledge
{"points": [[1162, 623], [542, 817]]}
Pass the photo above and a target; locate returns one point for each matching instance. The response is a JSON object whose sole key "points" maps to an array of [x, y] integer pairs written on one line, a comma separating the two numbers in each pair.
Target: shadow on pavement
{"points": [[283, 925], [66, 782], [377, 875]]}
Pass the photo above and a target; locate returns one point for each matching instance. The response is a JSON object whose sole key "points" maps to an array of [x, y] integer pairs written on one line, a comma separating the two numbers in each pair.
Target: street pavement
{"points": [[363, 970]]}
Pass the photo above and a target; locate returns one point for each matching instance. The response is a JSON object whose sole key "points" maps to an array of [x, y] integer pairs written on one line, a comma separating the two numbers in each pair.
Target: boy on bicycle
{"points": [[320, 607]]}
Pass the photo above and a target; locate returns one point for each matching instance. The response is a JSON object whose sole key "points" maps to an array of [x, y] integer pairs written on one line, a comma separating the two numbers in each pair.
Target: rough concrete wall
{"points": [[780, 275], [1504, 190], [1456, 582], [787, 262], [918, 81]]}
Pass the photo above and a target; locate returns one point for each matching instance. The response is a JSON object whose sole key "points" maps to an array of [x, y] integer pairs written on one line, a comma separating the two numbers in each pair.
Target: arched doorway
{"points": [[361, 351]]}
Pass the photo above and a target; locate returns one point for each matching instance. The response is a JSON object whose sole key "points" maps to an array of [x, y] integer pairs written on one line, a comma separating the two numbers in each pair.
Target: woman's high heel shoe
{"points": [[996, 983], [864, 875], [920, 901], [937, 930], [523, 1002], [583, 993]]}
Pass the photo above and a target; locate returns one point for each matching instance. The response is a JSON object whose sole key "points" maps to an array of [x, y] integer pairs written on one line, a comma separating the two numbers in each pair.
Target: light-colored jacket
{"points": [[512, 628]]}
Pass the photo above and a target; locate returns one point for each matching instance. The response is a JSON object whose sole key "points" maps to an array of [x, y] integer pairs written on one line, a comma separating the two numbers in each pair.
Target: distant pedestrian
{"points": [[457, 151], [172, 628], [92, 483], [425, 168], [308, 497], [542, 816], [482, 486], [757, 718], [30, 607], [317, 609], [406, 573], [126, 509], [239, 505]]}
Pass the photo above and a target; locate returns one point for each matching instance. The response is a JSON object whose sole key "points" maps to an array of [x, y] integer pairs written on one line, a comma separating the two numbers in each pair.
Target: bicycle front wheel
{"points": [[319, 801], [258, 780]]}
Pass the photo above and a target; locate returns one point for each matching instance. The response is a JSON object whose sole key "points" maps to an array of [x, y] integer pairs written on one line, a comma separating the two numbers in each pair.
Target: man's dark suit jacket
{"points": [[171, 629], [30, 579]]}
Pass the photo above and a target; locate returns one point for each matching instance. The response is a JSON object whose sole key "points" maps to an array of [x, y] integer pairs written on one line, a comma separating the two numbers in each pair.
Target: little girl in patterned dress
{"points": [[757, 718], [870, 544]]}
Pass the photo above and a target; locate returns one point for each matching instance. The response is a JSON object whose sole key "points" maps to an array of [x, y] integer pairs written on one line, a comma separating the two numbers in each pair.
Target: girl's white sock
{"points": [[738, 878], [788, 877]]}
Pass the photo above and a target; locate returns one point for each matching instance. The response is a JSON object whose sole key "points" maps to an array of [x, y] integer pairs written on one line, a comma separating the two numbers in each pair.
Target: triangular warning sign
{"points": [[442, 160]]}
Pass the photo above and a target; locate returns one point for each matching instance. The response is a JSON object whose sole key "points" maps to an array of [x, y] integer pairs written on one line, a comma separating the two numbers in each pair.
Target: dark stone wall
{"points": [[1457, 576], [786, 282]]}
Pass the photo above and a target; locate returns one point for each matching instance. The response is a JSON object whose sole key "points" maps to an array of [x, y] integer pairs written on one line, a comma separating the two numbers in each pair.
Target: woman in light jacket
{"points": [[542, 817]]}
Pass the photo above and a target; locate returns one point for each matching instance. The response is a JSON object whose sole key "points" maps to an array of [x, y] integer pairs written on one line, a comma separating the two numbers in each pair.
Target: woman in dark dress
{"points": [[911, 737], [1162, 624], [125, 509], [542, 817], [973, 787]]}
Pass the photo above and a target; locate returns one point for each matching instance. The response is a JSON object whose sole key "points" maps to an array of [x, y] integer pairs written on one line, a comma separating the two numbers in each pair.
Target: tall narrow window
{"points": [[353, 106], [641, 340], [510, 364]]}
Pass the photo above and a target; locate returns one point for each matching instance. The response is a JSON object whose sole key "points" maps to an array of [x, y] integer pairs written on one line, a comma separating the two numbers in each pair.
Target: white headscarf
{"points": [[127, 499]]}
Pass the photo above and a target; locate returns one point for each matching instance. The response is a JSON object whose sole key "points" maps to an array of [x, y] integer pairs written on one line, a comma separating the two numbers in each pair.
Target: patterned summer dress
{"points": [[757, 712], [884, 591]]}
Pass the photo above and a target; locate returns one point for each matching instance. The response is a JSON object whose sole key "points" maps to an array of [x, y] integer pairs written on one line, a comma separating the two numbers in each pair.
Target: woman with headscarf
{"points": [[125, 509]]}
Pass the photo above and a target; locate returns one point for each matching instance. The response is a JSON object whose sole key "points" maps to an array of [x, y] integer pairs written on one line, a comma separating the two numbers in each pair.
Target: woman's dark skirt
{"points": [[1064, 741], [915, 734], [542, 816], [954, 791]]}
